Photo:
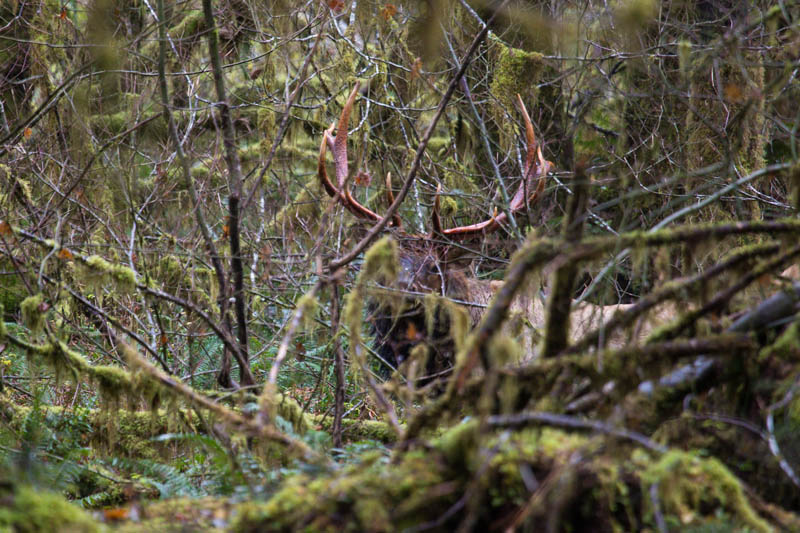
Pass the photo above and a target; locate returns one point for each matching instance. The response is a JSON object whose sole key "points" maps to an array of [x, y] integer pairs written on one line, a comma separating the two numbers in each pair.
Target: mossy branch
{"points": [[723, 297], [669, 290], [105, 273], [537, 252], [556, 333], [150, 384]]}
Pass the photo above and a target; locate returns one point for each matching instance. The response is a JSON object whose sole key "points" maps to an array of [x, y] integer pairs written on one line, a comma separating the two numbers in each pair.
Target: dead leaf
{"points": [[388, 11], [416, 69], [65, 254], [363, 178], [412, 333], [116, 515], [734, 93]]}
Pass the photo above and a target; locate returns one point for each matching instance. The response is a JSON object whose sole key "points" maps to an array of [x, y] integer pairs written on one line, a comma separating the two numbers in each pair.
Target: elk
{"points": [[424, 267]]}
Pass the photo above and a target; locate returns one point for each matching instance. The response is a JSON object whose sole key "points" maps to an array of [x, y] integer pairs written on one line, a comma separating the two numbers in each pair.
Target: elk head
{"points": [[422, 268]]}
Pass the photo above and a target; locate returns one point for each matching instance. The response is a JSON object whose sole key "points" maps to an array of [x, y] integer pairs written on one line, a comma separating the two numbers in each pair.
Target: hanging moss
{"points": [[34, 311], [170, 270], [632, 15], [380, 262], [200, 170], [308, 305], [96, 272]]}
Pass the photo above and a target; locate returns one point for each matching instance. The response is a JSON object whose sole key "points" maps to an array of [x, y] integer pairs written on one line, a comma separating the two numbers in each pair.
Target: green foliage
{"points": [[516, 72], [33, 313], [219, 472], [168, 480], [27, 510]]}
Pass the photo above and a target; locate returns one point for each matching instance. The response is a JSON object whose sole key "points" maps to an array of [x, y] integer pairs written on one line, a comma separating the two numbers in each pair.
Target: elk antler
{"points": [[536, 168], [522, 198], [338, 146]]}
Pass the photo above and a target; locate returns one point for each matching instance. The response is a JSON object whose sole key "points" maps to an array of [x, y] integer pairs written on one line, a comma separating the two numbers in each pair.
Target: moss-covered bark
{"points": [[529, 477], [33, 510]]}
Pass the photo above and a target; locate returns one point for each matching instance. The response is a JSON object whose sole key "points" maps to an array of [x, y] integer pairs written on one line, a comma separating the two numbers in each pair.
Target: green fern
{"points": [[168, 480]]}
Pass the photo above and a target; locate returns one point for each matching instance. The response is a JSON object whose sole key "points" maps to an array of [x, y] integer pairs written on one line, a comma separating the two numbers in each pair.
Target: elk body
{"points": [[397, 332], [424, 269]]}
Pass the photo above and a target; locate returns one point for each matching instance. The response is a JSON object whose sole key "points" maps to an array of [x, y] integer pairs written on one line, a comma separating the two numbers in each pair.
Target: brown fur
{"points": [[423, 272]]}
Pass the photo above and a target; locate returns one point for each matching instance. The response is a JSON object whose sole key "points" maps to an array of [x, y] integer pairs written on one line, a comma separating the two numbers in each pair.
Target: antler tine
{"points": [[390, 198], [530, 137], [332, 191], [340, 143], [339, 148], [532, 169]]}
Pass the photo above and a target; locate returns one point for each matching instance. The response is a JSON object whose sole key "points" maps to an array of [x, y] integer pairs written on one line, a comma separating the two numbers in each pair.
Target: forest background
{"points": [[187, 336]]}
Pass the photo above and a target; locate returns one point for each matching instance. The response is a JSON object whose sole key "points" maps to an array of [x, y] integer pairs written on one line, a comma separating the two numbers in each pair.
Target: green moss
{"points": [[114, 381], [363, 497], [460, 442], [200, 170], [687, 483], [33, 313], [111, 123], [196, 514], [380, 262], [12, 288], [95, 272], [437, 144], [124, 278], [308, 306], [191, 24], [30, 510], [355, 430], [612, 493], [633, 14], [170, 269], [292, 412], [134, 432], [265, 121], [739, 78], [504, 350], [516, 72], [786, 346]]}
